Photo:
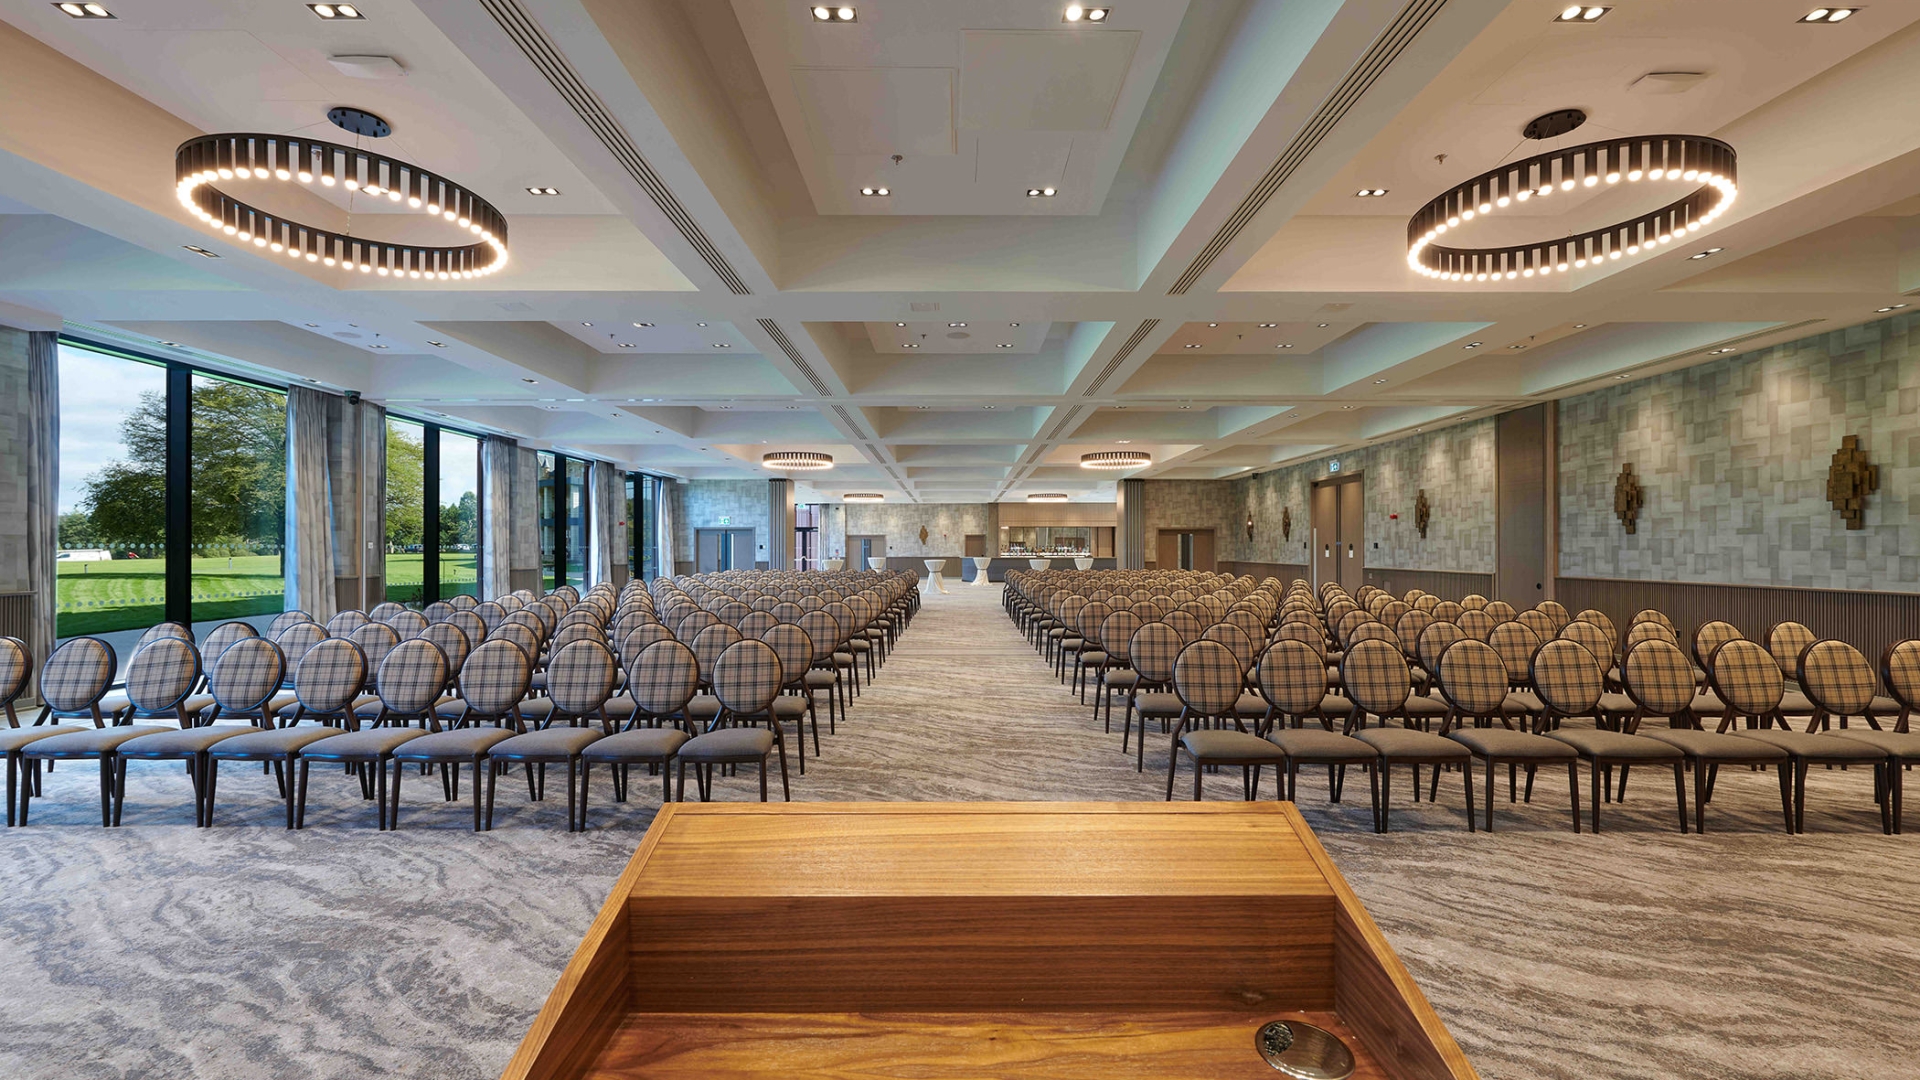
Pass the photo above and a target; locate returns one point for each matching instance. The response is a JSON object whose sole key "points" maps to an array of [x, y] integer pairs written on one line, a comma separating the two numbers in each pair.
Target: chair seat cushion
{"points": [[1814, 747], [12, 739], [729, 744], [90, 742], [172, 744], [370, 745], [1512, 745], [1313, 745], [461, 745], [1092, 657], [1715, 748], [1250, 705], [1616, 705], [548, 744], [1795, 703], [1419, 706], [1903, 747], [1337, 707], [1158, 704], [1403, 744], [1230, 748], [859, 646], [640, 744], [1884, 706], [1524, 701], [821, 680], [1122, 678], [1616, 746], [788, 707], [280, 742], [1708, 703], [702, 708]]}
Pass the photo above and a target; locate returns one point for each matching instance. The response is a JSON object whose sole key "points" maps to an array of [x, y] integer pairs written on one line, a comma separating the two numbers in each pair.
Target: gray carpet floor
{"points": [[157, 950]]}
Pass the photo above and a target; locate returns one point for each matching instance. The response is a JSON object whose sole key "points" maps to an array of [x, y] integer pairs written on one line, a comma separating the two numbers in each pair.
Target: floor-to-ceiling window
{"points": [[173, 494], [112, 560], [459, 505], [406, 510], [647, 528], [550, 524], [578, 521]]}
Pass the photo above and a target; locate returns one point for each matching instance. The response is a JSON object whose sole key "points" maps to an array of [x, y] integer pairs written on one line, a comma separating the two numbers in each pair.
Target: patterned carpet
{"points": [[244, 951]]}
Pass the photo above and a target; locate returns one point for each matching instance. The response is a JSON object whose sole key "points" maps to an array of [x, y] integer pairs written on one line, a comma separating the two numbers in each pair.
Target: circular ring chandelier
{"points": [[797, 460], [1116, 459], [1048, 497], [1685, 159], [202, 163], [863, 497]]}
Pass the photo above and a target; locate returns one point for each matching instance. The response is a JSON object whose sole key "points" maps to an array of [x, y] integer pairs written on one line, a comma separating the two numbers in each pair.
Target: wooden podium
{"points": [[977, 940]]}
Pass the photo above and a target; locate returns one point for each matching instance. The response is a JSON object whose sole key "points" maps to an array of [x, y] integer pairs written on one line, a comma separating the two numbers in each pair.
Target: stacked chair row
{"points": [[1449, 684], [563, 679]]}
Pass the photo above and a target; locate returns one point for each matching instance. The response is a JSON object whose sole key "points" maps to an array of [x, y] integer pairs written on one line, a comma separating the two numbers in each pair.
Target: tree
{"points": [[237, 466], [460, 523], [406, 473], [76, 530]]}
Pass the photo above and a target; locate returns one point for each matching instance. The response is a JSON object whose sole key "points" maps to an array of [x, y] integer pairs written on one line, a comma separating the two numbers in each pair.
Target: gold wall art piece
{"points": [[1422, 513], [1850, 480], [1286, 523], [1627, 498]]}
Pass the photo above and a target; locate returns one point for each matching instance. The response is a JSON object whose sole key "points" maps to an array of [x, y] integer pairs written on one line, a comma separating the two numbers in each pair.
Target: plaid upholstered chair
{"points": [[1477, 624], [463, 602], [520, 634], [1839, 683], [1538, 621], [746, 679], [1117, 674], [662, 679], [1900, 671], [407, 623], [469, 624], [795, 704], [346, 622], [581, 676], [492, 682], [755, 623], [1446, 611], [285, 619], [75, 678], [295, 640], [490, 613], [1556, 611], [410, 680], [159, 680], [538, 749], [1434, 642], [220, 637], [452, 642], [1474, 679], [1091, 657], [1567, 678], [1154, 648], [1378, 683], [1500, 611], [243, 681], [1207, 678], [327, 682], [16, 668], [1293, 679], [383, 611], [1659, 679], [1744, 669], [1600, 619], [1515, 644]]}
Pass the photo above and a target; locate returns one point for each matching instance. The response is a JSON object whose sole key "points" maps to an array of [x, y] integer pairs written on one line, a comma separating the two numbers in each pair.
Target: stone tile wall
{"points": [[947, 526], [704, 502], [1732, 458]]}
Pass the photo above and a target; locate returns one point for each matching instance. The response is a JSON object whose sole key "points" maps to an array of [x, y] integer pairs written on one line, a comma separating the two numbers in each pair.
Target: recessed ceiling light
{"points": [[1890, 307], [1817, 15], [956, 324], [1582, 13], [1322, 326], [1193, 346], [1370, 193], [312, 325], [586, 324], [1041, 192], [839, 14], [331, 11], [1346, 407], [1184, 408], [910, 345], [643, 326], [1706, 253], [531, 382], [1623, 376], [1268, 325], [1213, 324], [1516, 346], [1003, 346], [790, 408], [875, 191], [437, 344], [95, 11], [171, 344], [1283, 346], [626, 344], [1015, 325], [1579, 326], [200, 251], [1123, 442], [376, 346], [899, 324], [543, 191], [1471, 345], [1379, 382], [1078, 13], [721, 345]]}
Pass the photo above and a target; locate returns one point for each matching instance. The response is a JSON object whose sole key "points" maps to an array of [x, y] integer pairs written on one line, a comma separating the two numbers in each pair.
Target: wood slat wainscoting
{"points": [[1446, 584], [1288, 573], [1869, 621]]}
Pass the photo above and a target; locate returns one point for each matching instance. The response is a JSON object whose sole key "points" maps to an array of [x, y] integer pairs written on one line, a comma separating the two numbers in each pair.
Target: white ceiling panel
{"points": [[889, 110], [1043, 80]]}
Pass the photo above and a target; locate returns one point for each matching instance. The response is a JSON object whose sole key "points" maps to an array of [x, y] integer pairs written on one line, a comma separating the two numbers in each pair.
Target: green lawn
{"points": [[127, 594]]}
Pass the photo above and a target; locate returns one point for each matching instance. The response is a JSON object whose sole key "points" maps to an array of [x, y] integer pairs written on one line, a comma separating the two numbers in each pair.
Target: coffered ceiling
{"points": [[1205, 285]]}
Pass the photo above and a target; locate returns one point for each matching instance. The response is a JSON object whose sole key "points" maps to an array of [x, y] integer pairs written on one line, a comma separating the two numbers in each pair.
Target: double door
{"points": [[724, 549], [1339, 535]]}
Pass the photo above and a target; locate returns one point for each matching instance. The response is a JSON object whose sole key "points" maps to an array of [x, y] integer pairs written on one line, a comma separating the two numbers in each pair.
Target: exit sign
{"points": [[1334, 465], [725, 520]]}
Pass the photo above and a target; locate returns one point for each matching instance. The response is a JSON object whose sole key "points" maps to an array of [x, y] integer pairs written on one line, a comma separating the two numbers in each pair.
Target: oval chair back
{"points": [[1434, 642], [1154, 648], [522, 636], [222, 636], [490, 613], [1900, 671], [1710, 636], [1540, 623], [1748, 679], [1476, 623], [469, 624], [328, 679], [709, 644], [1515, 645], [453, 644], [1116, 636], [1839, 682], [662, 679], [246, 677], [747, 677], [16, 668], [1293, 678], [1568, 679], [376, 640], [637, 640], [76, 677], [1786, 641], [160, 677], [1376, 679], [1207, 678], [437, 611], [346, 622], [755, 624], [1657, 676], [406, 623], [412, 677], [1592, 638], [285, 619], [1599, 619], [493, 682], [580, 678], [794, 648], [1473, 679]]}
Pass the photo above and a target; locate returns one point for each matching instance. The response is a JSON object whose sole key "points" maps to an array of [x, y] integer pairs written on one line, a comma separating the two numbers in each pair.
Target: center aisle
{"points": [[964, 710]]}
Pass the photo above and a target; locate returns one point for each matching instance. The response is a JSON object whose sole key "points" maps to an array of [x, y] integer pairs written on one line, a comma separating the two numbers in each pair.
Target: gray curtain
{"points": [[526, 516], [356, 461], [42, 437], [497, 455], [664, 527], [605, 487], [309, 527]]}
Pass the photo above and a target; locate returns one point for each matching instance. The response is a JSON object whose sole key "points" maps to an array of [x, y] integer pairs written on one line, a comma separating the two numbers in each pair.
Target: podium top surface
{"points": [[980, 849]]}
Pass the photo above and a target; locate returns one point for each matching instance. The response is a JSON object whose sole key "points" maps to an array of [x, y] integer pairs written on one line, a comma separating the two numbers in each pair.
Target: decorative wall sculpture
{"points": [[1850, 481], [923, 536], [1627, 498], [1422, 512], [1286, 523], [1249, 524]]}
